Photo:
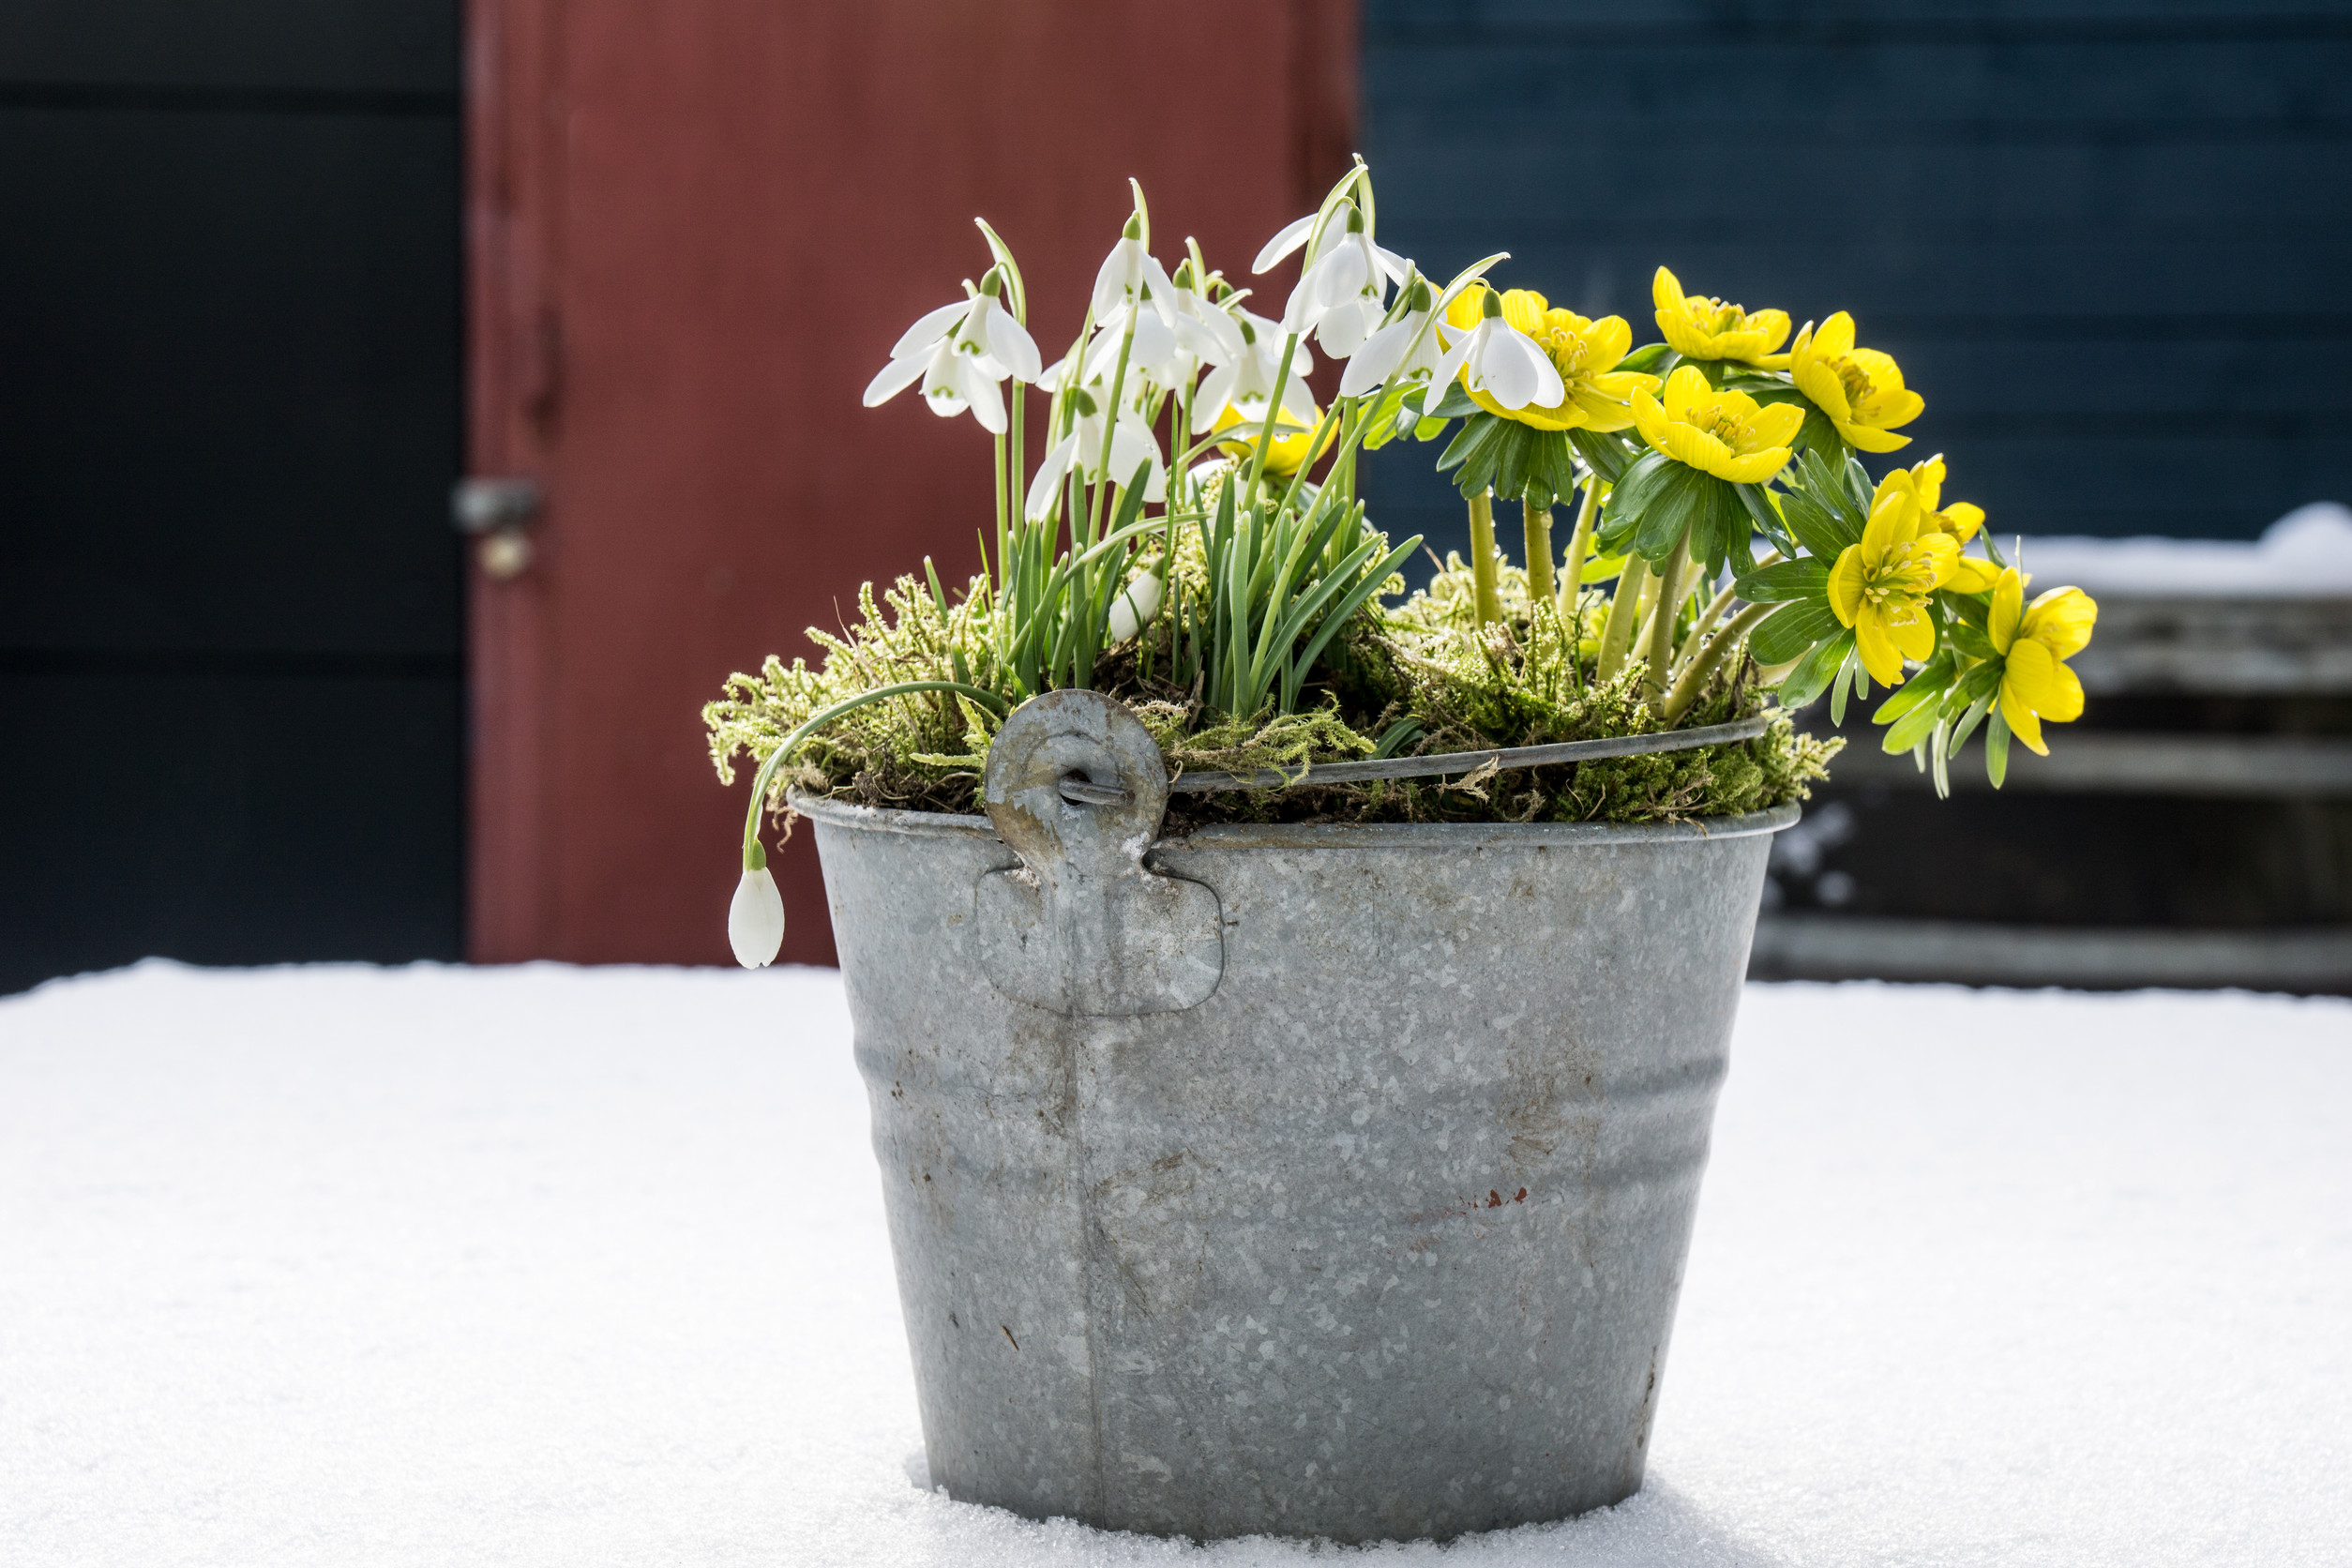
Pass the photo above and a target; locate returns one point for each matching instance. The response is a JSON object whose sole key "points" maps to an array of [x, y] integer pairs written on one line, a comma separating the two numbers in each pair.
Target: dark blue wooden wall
{"points": [[2110, 241]]}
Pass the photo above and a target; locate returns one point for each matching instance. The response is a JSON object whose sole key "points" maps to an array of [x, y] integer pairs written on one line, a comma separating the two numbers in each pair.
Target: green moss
{"points": [[1527, 681]]}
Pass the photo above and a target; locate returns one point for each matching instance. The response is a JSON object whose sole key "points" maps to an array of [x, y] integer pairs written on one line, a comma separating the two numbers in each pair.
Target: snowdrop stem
{"points": [[1111, 424], [1002, 529], [754, 855], [1315, 438], [1486, 601], [1273, 410]]}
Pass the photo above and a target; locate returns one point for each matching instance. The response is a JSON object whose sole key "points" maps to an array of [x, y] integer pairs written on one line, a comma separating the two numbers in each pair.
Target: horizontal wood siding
{"points": [[2110, 243]]}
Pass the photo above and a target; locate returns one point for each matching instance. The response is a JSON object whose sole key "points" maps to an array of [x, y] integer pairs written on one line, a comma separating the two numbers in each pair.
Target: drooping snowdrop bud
{"points": [[1135, 608], [1499, 360], [755, 919]]}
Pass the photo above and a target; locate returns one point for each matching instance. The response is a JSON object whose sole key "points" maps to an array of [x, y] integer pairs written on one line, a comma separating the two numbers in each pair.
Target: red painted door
{"points": [[696, 228]]}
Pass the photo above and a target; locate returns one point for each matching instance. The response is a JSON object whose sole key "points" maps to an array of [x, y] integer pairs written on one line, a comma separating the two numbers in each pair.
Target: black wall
{"points": [[230, 393], [2111, 243]]}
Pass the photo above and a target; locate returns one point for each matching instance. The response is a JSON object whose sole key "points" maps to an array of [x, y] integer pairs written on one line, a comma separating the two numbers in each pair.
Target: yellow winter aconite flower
{"points": [[1862, 390], [1288, 450], [1728, 434], [1879, 587], [2035, 641], [1699, 327], [1961, 519], [1585, 352]]}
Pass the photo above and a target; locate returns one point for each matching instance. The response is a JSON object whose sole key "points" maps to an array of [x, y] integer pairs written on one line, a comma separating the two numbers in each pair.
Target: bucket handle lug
{"points": [[1076, 785]]}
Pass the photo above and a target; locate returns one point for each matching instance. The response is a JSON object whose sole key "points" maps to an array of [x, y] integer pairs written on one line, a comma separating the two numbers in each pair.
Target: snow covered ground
{"points": [[578, 1267]]}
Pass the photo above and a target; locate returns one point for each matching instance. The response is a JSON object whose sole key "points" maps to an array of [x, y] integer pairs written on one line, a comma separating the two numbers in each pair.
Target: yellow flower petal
{"points": [[1899, 407], [2009, 607], [1913, 635], [1772, 329], [1648, 417], [1523, 308], [1753, 468], [1836, 337], [1927, 483], [1777, 424], [1864, 438], [1845, 584], [1970, 575], [2021, 722], [1689, 443], [1879, 654], [1890, 524], [1961, 519], [2060, 619], [2042, 683], [1610, 339], [1820, 383], [1938, 555], [1666, 290], [1684, 390]]}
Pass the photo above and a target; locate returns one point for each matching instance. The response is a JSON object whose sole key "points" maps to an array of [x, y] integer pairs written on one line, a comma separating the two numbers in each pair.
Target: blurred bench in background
{"points": [[2194, 828]]}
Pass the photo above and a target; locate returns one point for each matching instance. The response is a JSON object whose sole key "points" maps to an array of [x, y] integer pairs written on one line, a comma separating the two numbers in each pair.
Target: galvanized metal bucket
{"points": [[1327, 1181]]}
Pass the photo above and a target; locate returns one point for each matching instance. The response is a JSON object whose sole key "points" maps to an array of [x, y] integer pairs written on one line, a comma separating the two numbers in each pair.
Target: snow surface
{"points": [[574, 1267], [2305, 554]]}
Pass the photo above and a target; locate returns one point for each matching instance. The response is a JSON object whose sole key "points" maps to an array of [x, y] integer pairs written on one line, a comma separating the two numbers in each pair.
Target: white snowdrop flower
{"points": [[1251, 374], [755, 920], [1135, 608], [1204, 330], [1502, 361], [1383, 358], [1132, 444], [991, 329], [955, 378], [1338, 297], [959, 352], [1155, 351], [1287, 239], [1129, 273]]}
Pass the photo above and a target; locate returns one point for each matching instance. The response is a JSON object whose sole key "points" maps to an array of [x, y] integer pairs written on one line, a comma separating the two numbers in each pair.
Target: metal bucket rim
{"points": [[1332, 835]]}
